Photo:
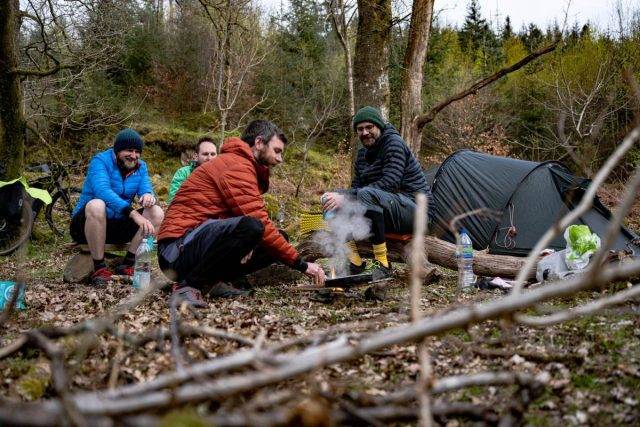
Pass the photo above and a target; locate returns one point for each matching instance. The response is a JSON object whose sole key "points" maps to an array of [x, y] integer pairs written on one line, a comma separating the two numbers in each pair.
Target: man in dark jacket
{"points": [[104, 213], [386, 179]]}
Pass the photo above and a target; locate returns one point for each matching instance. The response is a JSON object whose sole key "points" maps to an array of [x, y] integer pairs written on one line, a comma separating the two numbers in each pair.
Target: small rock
{"points": [[517, 359], [549, 405], [543, 377], [581, 417]]}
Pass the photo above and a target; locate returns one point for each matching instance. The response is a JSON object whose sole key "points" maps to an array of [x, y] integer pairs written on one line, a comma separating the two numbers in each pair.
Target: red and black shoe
{"points": [[101, 276], [124, 270]]}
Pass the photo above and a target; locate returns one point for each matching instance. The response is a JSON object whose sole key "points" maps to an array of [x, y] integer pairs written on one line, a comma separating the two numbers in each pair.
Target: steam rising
{"points": [[348, 223]]}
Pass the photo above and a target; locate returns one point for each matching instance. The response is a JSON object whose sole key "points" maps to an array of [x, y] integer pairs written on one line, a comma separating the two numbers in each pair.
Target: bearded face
{"points": [[269, 154], [368, 133], [128, 159]]}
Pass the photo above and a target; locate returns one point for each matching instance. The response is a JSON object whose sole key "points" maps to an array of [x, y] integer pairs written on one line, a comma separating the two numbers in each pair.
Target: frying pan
{"points": [[347, 281]]}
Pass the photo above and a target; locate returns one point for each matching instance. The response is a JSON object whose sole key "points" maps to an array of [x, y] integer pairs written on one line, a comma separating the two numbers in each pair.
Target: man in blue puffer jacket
{"points": [[104, 213]]}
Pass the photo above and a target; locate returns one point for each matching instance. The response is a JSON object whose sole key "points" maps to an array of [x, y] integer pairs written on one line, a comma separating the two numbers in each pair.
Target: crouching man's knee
{"points": [[251, 227]]}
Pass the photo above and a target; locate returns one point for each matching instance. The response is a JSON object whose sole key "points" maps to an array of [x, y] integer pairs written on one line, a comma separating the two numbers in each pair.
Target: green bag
{"points": [[581, 244]]}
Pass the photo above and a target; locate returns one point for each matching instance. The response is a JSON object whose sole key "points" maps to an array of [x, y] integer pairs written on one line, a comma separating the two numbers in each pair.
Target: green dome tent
{"points": [[529, 196]]}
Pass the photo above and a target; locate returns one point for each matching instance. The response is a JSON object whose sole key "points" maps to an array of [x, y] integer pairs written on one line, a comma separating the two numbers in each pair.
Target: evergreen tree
{"points": [[478, 39], [507, 30], [532, 37]]}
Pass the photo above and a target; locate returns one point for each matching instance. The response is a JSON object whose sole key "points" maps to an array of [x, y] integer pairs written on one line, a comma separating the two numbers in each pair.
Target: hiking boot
{"points": [[190, 295], [101, 276], [357, 269], [380, 272], [224, 290], [242, 283], [124, 270]]}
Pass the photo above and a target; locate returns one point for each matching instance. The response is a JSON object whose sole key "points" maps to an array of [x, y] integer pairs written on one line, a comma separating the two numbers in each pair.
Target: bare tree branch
{"points": [[423, 119]]}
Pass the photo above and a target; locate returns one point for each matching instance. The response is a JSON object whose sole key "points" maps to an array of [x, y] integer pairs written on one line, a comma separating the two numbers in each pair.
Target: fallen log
{"points": [[438, 252]]}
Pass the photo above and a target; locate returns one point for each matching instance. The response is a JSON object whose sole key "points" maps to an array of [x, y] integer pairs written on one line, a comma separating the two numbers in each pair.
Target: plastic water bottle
{"points": [[466, 278], [142, 267]]}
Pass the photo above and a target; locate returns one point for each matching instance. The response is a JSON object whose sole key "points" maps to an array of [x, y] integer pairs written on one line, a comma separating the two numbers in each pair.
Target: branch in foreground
{"points": [[428, 117], [299, 363], [457, 382], [584, 310]]}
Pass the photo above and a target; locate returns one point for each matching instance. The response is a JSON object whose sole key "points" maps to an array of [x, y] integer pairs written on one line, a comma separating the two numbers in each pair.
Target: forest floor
{"points": [[593, 363]]}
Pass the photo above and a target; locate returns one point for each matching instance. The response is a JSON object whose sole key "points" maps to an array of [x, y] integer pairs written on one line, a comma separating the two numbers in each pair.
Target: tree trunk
{"points": [[438, 252], [417, 48], [12, 122], [339, 23], [371, 62]]}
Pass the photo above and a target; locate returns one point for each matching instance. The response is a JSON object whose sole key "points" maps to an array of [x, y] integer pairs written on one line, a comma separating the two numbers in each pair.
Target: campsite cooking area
{"points": [[590, 365]]}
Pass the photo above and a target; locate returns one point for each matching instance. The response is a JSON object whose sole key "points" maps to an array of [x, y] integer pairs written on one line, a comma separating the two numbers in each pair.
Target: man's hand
{"points": [[316, 273], [332, 201], [147, 200], [246, 258], [142, 222]]}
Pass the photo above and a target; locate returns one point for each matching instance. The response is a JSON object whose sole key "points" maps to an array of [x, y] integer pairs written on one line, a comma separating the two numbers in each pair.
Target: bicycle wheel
{"points": [[14, 232], [58, 212]]}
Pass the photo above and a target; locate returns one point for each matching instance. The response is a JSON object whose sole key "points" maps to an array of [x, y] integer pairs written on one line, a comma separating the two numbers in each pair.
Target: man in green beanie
{"points": [[386, 179]]}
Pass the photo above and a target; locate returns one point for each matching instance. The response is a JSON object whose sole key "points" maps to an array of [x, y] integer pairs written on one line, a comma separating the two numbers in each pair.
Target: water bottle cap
{"points": [[463, 230]]}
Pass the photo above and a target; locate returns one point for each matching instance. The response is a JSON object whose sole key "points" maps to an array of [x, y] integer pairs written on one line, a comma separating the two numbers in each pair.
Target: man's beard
{"points": [[370, 140], [262, 159], [127, 165]]}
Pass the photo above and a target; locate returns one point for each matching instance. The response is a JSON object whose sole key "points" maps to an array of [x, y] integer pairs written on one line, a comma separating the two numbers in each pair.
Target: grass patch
{"points": [[586, 381]]}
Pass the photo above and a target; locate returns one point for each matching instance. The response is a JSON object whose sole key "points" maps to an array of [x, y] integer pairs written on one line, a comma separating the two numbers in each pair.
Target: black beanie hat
{"points": [[368, 114], [127, 139]]}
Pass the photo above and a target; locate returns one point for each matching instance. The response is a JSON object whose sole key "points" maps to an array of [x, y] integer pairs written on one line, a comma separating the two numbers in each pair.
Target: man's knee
{"points": [[96, 209], [155, 214], [367, 195], [251, 227]]}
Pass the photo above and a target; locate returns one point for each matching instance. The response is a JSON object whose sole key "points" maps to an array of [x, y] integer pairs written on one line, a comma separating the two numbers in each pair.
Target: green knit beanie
{"points": [[368, 114]]}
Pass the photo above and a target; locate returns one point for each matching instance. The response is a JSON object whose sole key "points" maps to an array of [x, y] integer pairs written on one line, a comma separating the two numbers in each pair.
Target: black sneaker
{"points": [[380, 272], [224, 290], [357, 269]]}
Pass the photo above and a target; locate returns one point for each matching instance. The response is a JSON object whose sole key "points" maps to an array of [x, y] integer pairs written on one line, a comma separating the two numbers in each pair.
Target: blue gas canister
{"points": [[6, 291]]}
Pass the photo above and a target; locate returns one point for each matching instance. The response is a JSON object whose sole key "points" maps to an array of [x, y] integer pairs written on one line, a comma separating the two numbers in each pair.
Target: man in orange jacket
{"points": [[217, 228]]}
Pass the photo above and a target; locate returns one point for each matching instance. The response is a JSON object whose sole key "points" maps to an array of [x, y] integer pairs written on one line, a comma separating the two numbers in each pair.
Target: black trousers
{"points": [[211, 252], [392, 212]]}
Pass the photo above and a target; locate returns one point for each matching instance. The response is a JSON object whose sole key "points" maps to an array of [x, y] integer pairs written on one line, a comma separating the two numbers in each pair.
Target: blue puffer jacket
{"points": [[104, 181]]}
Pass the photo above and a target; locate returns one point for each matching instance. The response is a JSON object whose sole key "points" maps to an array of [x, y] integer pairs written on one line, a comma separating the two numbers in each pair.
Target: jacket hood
{"points": [[235, 145]]}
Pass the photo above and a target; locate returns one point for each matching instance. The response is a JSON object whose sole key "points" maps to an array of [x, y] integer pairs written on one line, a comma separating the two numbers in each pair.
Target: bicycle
{"points": [[19, 211], [16, 217], [63, 197]]}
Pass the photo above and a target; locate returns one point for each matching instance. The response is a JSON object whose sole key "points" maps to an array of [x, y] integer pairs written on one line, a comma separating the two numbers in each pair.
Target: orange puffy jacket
{"points": [[227, 186]]}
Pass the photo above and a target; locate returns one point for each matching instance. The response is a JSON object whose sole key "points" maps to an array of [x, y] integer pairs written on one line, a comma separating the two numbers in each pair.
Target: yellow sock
{"points": [[354, 256], [380, 254]]}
